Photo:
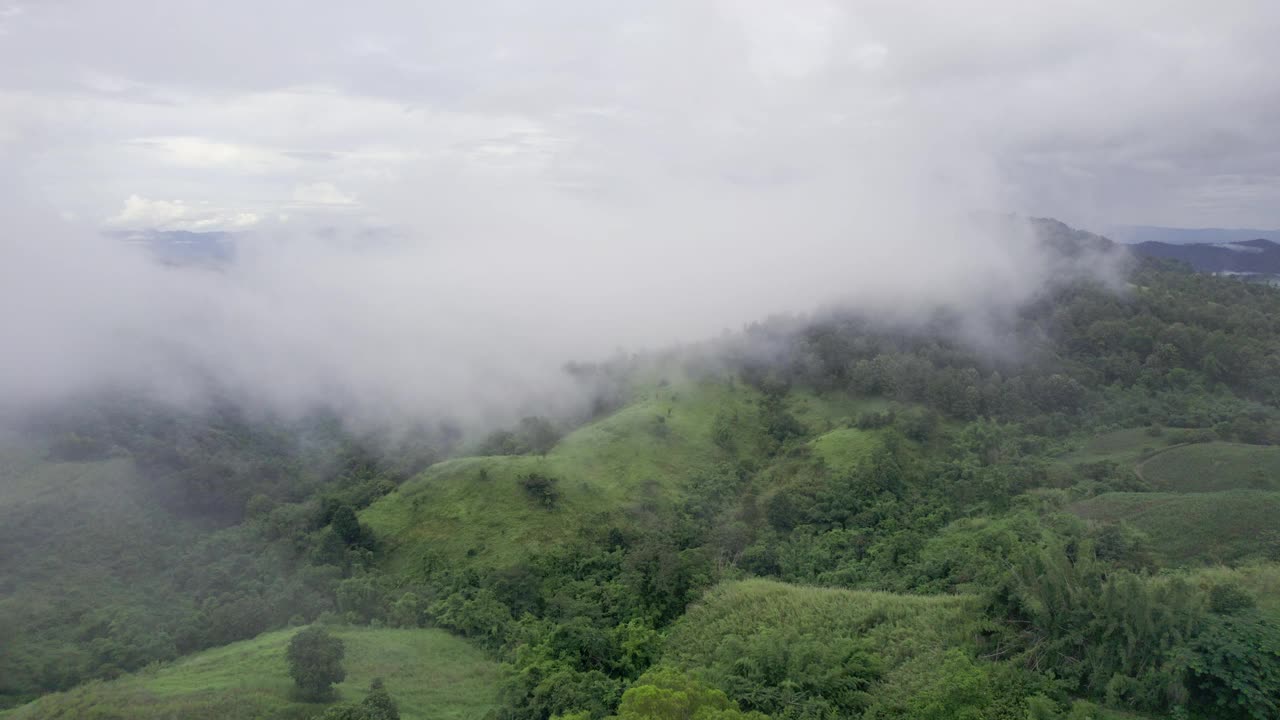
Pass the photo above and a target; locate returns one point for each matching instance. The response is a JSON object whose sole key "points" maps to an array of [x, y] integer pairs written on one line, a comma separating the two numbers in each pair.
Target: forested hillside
{"points": [[1063, 511]]}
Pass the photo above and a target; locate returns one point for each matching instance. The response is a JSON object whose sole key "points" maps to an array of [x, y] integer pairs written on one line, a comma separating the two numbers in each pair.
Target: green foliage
{"points": [[376, 705], [315, 662], [542, 489], [784, 673], [807, 652], [533, 435], [959, 690], [901, 468], [664, 693], [1233, 665], [346, 526], [1107, 633]]}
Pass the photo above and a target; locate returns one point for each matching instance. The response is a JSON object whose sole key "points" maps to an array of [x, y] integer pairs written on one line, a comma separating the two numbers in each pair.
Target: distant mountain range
{"points": [[1234, 252], [1249, 257], [1135, 234]]}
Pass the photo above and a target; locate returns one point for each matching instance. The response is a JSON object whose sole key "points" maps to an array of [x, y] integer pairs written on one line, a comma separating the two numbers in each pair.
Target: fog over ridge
{"points": [[554, 185]]}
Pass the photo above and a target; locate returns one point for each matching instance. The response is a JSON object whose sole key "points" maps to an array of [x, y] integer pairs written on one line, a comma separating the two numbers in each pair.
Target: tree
{"points": [[315, 662], [541, 488], [346, 525], [668, 693], [377, 705], [538, 434]]}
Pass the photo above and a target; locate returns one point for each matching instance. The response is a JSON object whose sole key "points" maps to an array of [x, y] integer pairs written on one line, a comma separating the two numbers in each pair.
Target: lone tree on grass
{"points": [[315, 662], [377, 705]]}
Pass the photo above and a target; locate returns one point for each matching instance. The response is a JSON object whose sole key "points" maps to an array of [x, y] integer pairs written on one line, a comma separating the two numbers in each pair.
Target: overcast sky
{"points": [[506, 186], [188, 114]]}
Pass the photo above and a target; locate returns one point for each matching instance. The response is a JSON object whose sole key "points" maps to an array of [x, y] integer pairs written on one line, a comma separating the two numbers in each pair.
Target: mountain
{"points": [[1250, 257], [1134, 234], [834, 516]]}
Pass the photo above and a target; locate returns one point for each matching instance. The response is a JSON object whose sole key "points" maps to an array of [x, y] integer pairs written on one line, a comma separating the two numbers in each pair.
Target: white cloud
{"points": [[141, 213], [321, 193], [205, 154], [591, 175]]}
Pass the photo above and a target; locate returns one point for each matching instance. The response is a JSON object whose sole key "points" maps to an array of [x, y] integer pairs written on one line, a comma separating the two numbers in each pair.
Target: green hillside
{"points": [[768, 644], [813, 519], [431, 675], [1215, 466], [1212, 527], [475, 507], [1126, 446], [81, 547], [96, 516], [844, 448]]}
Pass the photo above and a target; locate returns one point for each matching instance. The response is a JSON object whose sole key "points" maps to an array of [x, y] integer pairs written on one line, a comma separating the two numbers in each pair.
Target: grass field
{"points": [[475, 507], [1122, 446], [1212, 467], [430, 673], [1187, 528], [823, 412], [844, 448]]}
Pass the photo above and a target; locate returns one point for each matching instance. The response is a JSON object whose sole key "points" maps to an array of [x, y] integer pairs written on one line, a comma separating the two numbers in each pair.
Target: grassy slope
{"points": [[474, 508], [821, 412], [1212, 467], [430, 673], [843, 449], [1195, 527], [1126, 446]]}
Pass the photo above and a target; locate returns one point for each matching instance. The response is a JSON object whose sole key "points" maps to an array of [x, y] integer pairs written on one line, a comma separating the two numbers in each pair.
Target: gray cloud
{"points": [[552, 181]]}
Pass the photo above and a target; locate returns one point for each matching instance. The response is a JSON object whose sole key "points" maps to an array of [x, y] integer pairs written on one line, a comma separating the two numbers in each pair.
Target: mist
{"points": [[434, 210]]}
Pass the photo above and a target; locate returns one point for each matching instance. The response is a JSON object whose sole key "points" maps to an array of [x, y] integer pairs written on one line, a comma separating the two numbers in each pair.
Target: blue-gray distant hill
{"points": [[1135, 234], [1250, 257]]}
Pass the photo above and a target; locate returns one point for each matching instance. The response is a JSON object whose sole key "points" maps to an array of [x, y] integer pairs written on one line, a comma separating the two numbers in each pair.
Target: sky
{"points": [[431, 191], [232, 115]]}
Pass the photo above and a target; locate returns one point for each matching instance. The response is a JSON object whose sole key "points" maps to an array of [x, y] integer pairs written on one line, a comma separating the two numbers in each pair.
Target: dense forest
{"points": [[1067, 514]]}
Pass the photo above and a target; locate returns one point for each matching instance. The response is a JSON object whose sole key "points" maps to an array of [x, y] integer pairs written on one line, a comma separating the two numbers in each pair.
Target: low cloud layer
{"points": [[440, 206]]}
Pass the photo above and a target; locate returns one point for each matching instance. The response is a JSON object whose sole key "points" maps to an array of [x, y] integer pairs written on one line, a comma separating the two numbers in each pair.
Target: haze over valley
{"points": [[705, 360]]}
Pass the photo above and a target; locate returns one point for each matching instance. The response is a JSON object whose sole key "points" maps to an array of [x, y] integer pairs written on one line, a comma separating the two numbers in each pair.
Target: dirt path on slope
{"points": [[1137, 467]]}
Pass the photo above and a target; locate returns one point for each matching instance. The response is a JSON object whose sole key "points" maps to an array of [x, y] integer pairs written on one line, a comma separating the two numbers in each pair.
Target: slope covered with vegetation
{"points": [[431, 674], [822, 517]]}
